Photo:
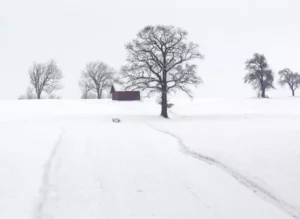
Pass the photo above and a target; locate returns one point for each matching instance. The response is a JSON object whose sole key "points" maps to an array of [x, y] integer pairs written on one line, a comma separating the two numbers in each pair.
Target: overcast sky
{"points": [[74, 32]]}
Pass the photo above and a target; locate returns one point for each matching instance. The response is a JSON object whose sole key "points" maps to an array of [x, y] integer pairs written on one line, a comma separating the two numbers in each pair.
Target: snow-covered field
{"points": [[216, 158]]}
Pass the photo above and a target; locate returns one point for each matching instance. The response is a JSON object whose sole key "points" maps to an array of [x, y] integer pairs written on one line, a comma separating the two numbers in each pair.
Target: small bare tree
{"points": [[54, 97], [88, 94], [158, 63], [287, 77], [45, 77], [97, 77], [29, 95], [87, 88]]}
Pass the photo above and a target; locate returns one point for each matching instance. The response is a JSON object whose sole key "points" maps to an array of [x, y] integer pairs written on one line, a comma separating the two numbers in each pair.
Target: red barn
{"points": [[124, 95]]}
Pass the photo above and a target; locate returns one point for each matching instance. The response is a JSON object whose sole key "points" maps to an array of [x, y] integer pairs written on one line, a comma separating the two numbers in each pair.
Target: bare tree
{"points": [[29, 95], [86, 87], [87, 94], [54, 97], [97, 77], [157, 62], [260, 75], [287, 77], [45, 77]]}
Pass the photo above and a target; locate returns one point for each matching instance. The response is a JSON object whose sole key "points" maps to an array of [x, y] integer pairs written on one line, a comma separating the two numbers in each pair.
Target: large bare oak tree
{"points": [[96, 77], [45, 77], [287, 77], [259, 74], [158, 62]]}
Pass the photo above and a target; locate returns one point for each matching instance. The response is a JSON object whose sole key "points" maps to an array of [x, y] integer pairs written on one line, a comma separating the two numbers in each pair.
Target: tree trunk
{"points": [[263, 92], [164, 104], [38, 95], [98, 94], [164, 97]]}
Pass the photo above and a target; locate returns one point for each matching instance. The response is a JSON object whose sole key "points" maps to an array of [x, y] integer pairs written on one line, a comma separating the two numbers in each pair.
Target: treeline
{"points": [[261, 77], [158, 62]]}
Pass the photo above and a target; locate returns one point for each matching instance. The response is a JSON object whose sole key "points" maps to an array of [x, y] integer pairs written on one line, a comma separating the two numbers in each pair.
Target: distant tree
{"points": [[53, 96], [287, 77], [87, 89], [45, 77], [89, 95], [28, 95], [157, 62], [96, 77], [259, 74]]}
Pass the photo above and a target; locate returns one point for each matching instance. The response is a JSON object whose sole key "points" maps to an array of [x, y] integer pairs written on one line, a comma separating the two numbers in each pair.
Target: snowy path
{"points": [[253, 186], [73, 189], [94, 174], [45, 186]]}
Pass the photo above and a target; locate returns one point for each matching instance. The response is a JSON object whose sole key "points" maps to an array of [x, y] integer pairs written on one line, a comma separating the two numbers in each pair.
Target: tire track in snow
{"points": [[44, 188], [253, 186]]}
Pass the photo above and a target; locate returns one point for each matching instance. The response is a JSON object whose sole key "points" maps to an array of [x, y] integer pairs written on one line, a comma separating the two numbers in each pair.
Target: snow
{"points": [[215, 158]]}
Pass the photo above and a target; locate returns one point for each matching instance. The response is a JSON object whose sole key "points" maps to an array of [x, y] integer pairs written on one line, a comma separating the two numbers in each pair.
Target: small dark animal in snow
{"points": [[116, 120]]}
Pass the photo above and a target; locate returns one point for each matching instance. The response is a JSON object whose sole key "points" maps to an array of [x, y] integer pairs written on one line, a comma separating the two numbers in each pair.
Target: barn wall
{"points": [[126, 95]]}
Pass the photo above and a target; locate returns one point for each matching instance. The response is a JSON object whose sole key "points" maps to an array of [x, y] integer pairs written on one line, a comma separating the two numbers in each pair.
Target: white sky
{"points": [[74, 32]]}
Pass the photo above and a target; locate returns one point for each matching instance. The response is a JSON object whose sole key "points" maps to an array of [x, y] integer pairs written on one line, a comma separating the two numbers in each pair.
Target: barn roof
{"points": [[118, 87]]}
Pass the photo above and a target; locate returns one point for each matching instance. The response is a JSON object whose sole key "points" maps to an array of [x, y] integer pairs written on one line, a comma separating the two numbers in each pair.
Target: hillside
{"points": [[215, 158]]}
